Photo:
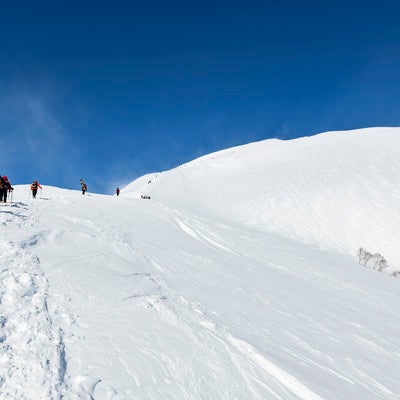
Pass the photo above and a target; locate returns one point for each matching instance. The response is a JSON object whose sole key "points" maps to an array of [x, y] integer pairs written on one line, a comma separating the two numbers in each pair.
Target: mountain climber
{"points": [[117, 191], [5, 187], [84, 187], [34, 187]]}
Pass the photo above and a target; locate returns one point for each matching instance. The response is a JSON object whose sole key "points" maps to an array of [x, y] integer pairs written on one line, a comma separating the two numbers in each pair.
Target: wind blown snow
{"points": [[237, 279]]}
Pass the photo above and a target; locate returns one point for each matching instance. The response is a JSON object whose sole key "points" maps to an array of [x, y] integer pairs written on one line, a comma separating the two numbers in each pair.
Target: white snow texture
{"points": [[236, 280]]}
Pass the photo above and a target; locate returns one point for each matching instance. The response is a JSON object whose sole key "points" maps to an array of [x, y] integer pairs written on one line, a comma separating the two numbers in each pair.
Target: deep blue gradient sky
{"points": [[109, 90]]}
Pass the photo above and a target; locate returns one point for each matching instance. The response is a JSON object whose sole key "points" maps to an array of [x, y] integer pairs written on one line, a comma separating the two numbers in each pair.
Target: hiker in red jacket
{"points": [[34, 187]]}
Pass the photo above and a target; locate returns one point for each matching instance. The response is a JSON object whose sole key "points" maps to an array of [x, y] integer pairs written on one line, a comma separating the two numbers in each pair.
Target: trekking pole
{"points": [[11, 196]]}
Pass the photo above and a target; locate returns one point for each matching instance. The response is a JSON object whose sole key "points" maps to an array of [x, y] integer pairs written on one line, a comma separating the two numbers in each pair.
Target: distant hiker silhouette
{"points": [[34, 187], [5, 187], [117, 191], [84, 187]]}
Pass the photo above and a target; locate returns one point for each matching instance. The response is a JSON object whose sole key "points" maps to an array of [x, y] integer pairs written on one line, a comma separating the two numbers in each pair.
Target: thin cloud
{"points": [[35, 137], [29, 122]]}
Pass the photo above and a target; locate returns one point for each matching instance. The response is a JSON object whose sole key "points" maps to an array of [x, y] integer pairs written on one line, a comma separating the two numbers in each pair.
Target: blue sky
{"points": [[110, 90]]}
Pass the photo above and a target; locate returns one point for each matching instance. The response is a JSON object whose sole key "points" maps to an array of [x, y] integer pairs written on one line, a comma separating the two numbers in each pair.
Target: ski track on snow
{"points": [[197, 230]]}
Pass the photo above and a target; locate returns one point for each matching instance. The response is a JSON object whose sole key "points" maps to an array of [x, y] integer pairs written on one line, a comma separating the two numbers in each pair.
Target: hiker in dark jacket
{"points": [[5, 187], [84, 187]]}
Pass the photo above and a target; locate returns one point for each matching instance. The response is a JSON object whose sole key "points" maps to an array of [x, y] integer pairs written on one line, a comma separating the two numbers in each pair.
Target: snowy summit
{"points": [[232, 277]]}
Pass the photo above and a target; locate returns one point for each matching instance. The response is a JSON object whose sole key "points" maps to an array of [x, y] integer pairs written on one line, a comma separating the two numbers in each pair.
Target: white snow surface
{"points": [[236, 280]]}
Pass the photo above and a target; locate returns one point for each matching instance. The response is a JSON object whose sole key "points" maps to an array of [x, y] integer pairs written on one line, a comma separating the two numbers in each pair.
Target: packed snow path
{"points": [[32, 350], [115, 298]]}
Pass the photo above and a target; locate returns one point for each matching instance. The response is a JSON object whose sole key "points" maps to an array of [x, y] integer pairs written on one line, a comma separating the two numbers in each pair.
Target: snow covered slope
{"points": [[184, 297], [340, 190]]}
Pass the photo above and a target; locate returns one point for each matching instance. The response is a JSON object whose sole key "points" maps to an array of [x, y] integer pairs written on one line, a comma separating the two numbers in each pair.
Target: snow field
{"points": [[180, 297]]}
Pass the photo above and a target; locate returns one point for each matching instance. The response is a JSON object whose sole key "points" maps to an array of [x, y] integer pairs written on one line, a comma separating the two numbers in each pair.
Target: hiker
{"points": [[34, 187], [117, 191], [5, 187], [84, 187]]}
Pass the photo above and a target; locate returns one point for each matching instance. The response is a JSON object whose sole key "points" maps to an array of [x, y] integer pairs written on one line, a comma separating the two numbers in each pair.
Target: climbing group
{"points": [[5, 188]]}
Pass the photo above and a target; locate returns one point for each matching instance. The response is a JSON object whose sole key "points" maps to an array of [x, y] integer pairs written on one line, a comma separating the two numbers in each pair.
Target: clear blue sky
{"points": [[109, 90]]}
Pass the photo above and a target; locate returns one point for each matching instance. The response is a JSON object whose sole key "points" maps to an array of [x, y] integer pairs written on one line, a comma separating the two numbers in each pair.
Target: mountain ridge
{"points": [[347, 178]]}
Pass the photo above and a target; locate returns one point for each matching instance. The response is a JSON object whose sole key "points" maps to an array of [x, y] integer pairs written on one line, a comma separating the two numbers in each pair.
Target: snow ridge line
{"points": [[30, 349]]}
